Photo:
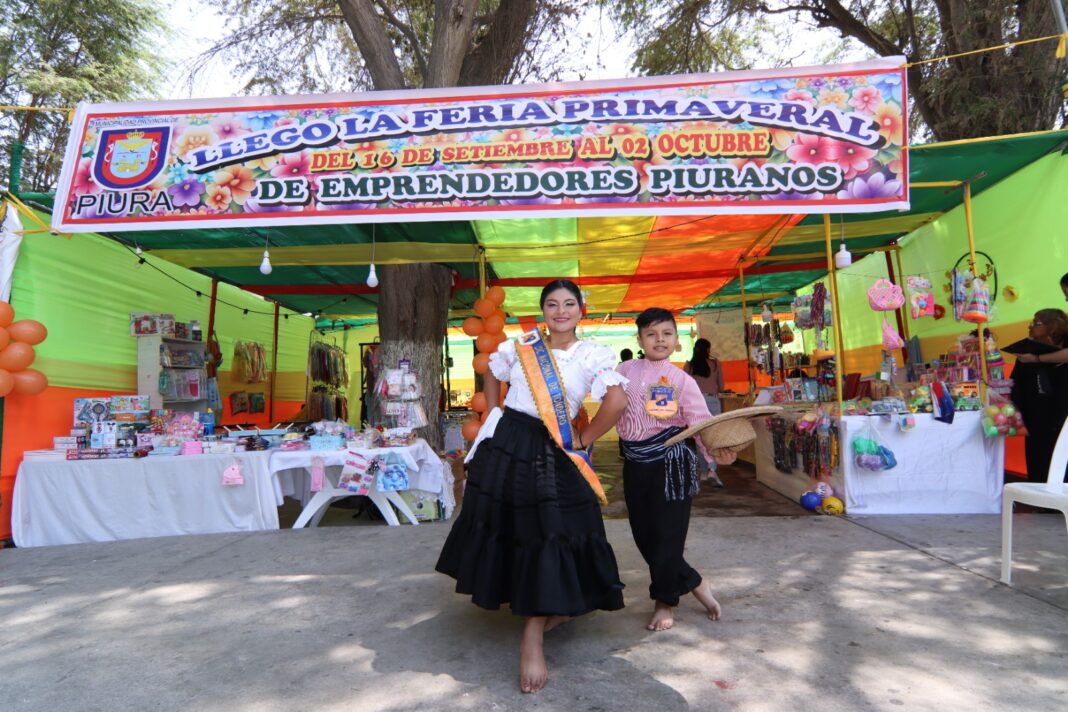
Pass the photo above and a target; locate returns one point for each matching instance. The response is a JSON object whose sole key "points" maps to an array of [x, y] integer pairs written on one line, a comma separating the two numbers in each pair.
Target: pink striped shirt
{"points": [[636, 424]]}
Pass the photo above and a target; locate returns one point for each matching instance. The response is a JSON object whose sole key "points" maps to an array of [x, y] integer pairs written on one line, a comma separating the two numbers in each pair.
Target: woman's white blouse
{"points": [[586, 368]]}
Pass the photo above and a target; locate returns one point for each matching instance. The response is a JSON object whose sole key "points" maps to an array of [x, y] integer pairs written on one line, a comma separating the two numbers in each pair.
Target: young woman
{"points": [[1040, 391], [530, 532], [706, 371]]}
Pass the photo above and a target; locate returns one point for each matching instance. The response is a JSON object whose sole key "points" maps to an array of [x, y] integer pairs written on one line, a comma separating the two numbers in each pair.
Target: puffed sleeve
{"points": [[502, 360], [599, 364]]}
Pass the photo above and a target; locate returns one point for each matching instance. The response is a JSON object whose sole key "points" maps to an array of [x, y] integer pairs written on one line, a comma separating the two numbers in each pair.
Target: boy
{"points": [[659, 482]]}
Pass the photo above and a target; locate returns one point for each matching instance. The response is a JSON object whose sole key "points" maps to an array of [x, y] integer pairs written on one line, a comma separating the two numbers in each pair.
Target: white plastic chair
{"points": [[1052, 495]]}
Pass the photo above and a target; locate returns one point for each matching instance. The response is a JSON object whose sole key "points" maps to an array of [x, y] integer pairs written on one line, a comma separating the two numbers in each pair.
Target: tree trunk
{"points": [[413, 308]]}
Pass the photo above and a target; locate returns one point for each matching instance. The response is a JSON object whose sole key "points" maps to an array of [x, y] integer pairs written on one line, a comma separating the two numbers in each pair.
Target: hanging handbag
{"points": [[891, 339], [884, 295]]}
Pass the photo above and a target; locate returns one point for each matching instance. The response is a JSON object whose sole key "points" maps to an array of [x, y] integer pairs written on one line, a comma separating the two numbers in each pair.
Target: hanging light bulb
{"points": [[265, 265], [843, 258], [372, 276]]}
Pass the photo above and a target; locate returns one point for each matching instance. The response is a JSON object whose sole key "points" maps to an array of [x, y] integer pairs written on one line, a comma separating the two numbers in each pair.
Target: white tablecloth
{"points": [[78, 501], [941, 469]]}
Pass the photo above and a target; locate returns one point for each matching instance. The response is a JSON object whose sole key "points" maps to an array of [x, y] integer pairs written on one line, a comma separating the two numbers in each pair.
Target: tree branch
{"points": [[369, 31], [491, 59], [454, 22], [409, 34]]}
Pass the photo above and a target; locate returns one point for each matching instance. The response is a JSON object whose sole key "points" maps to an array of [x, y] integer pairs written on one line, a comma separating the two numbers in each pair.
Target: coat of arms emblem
{"points": [[130, 158]]}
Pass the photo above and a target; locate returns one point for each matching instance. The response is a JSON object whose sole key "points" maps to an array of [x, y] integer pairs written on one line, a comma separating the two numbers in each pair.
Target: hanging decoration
{"points": [[488, 332], [17, 339]]}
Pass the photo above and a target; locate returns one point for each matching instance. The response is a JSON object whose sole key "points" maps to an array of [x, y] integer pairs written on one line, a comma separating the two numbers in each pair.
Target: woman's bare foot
{"points": [[703, 593], [662, 617], [532, 671], [554, 621]]}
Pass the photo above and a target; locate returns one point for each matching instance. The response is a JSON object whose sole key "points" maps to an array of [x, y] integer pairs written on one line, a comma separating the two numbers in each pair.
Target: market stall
{"points": [[589, 176]]}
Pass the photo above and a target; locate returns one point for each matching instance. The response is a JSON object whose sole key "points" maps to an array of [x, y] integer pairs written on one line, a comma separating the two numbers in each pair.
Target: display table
{"points": [[79, 501], [941, 469], [426, 472]]}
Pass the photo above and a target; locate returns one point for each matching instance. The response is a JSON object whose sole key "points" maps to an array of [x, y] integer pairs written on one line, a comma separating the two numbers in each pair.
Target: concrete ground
{"points": [[819, 613]]}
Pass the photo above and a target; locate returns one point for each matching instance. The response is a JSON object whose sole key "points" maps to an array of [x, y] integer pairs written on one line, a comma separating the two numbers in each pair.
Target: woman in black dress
{"points": [[1040, 391], [530, 532]]}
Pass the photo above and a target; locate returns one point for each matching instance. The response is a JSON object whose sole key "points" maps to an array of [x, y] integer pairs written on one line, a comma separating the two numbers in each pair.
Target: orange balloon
{"points": [[502, 314], [482, 418], [16, 357], [494, 324], [484, 307], [28, 331], [480, 363], [470, 429], [473, 326], [5, 338], [495, 295], [7, 314], [478, 402], [485, 343], [7, 382], [29, 382]]}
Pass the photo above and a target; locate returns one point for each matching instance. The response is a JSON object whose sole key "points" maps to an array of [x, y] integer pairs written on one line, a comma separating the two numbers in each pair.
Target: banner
{"points": [[802, 140]]}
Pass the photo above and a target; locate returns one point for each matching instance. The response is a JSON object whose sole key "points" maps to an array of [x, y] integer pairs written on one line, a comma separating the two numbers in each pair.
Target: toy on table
{"points": [[868, 454], [1002, 419]]}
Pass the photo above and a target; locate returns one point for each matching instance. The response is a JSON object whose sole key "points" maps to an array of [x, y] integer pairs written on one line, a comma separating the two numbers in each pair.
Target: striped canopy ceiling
{"points": [[624, 263]]}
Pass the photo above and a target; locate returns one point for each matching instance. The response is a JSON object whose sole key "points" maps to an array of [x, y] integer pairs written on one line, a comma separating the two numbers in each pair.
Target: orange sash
{"points": [[547, 387]]}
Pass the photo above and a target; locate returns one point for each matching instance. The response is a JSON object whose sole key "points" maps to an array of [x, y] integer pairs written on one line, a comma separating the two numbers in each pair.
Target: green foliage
{"points": [[57, 53], [1007, 91], [306, 46]]}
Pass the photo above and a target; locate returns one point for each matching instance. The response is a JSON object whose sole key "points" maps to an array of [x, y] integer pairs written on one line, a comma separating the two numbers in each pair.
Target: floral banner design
{"points": [[804, 140]]}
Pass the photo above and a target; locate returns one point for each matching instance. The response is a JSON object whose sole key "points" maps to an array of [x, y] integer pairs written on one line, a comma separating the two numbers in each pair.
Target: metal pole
{"points": [[836, 315], [899, 313], [745, 337], [971, 259], [274, 363], [212, 370]]}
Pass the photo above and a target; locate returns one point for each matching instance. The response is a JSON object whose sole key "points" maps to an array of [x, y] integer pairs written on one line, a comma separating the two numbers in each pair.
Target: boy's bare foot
{"points": [[555, 621], [662, 617], [703, 593], [532, 671]]}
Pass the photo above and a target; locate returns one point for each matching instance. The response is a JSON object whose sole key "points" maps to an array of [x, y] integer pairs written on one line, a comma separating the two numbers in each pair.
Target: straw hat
{"points": [[730, 430]]}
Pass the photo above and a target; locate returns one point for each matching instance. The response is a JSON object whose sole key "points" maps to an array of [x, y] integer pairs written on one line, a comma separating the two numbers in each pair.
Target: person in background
{"points": [[1040, 392], [706, 371], [530, 532], [1057, 356], [625, 355]]}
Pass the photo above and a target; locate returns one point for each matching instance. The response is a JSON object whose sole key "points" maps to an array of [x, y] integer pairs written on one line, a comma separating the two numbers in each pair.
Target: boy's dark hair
{"points": [[1064, 280], [626, 355], [654, 315]]}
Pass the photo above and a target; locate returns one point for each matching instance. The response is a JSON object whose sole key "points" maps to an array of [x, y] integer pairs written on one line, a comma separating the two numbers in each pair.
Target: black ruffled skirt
{"points": [[530, 531]]}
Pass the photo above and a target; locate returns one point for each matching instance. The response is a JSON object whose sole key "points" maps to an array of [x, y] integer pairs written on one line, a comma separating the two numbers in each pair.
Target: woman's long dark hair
{"points": [[699, 363], [560, 284]]}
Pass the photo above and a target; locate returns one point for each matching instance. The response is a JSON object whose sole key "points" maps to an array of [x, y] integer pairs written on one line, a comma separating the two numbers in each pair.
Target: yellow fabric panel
{"points": [[612, 245], [863, 228]]}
